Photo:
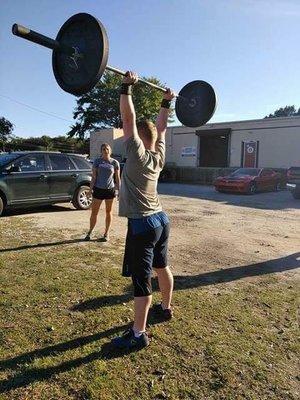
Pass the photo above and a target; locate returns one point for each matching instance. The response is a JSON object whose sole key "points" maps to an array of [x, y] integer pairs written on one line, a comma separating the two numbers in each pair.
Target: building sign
{"points": [[249, 157], [188, 151]]}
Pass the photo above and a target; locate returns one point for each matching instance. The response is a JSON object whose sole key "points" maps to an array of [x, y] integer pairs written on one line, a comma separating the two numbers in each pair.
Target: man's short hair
{"points": [[147, 130]]}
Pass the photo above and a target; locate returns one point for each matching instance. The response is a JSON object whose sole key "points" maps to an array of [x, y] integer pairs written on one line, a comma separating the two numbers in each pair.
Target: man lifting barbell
{"points": [[148, 226], [79, 58]]}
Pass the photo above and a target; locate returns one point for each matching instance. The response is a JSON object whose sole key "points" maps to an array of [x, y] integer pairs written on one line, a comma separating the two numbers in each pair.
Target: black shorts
{"points": [[145, 251], [103, 194]]}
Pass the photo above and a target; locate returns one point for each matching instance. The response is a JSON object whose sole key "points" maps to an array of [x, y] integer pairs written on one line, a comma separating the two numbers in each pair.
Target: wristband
{"points": [[126, 88], [165, 103]]}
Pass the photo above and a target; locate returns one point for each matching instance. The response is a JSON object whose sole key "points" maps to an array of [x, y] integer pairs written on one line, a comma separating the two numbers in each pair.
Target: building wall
{"points": [[118, 148], [111, 136], [278, 147], [279, 142], [178, 140]]}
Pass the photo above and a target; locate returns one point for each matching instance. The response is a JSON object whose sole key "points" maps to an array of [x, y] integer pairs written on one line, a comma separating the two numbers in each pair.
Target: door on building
{"points": [[214, 148], [250, 154]]}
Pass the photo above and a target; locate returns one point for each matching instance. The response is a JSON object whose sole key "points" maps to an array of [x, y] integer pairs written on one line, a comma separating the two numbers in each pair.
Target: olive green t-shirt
{"points": [[138, 193]]}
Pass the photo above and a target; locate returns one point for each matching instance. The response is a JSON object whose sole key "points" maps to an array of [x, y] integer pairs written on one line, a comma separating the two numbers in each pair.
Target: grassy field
{"points": [[62, 301]]}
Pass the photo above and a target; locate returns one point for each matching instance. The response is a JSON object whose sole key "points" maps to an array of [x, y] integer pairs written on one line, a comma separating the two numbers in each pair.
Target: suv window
{"points": [[5, 158], [81, 163], [60, 162], [31, 163]]}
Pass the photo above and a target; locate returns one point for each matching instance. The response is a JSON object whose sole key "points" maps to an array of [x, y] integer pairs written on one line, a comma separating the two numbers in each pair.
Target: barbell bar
{"points": [[79, 59]]}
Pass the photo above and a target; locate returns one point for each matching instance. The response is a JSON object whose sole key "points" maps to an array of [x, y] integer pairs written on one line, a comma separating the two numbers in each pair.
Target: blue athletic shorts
{"points": [[146, 245]]}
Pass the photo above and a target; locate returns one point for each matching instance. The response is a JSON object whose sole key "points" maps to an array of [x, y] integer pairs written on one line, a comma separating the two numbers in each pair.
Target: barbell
{"points": [[79, 59]]}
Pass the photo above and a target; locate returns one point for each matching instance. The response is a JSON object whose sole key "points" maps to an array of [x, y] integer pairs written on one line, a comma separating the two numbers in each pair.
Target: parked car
{"points": [[249, 180], [40, 178], [293, 181]]}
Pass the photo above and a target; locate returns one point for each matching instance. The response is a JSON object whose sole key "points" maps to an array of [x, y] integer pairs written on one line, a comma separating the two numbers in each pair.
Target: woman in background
{"points": [[104, 186]]}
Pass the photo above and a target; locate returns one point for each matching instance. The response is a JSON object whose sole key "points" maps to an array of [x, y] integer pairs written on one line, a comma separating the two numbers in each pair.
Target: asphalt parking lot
{"points": [[268, 200]]}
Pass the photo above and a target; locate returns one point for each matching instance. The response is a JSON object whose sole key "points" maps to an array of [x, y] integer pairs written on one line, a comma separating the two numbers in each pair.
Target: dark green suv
{"points": [[40, 178]]}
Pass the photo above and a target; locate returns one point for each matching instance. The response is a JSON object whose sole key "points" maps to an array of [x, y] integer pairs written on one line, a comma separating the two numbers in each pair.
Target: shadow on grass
{"points": [[40, 245], [104, 301], [25, 378], [37, 210], [281, 264]]}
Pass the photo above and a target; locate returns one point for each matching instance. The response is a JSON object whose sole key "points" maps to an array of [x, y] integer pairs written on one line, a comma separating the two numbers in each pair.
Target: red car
{"points": [[249, 180]]}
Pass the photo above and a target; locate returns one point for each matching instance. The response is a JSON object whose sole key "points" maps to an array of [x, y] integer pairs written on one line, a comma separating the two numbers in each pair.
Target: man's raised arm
{"points": [[126, 105], [163, 115]]}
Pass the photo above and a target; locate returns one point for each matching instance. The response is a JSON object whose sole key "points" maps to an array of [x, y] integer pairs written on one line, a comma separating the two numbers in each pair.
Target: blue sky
{"points": [[247, 49]]}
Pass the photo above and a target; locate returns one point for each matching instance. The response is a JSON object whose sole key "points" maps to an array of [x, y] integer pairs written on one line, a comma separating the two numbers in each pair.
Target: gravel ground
{"points": [[246, 235]]}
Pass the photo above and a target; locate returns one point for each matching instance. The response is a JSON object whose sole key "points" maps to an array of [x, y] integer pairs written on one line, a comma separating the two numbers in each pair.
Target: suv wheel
{"points": [[81, 199], [1, 206]]}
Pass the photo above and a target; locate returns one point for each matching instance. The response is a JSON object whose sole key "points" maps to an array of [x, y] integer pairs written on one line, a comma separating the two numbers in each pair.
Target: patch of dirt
{"points": [[206, 235]]}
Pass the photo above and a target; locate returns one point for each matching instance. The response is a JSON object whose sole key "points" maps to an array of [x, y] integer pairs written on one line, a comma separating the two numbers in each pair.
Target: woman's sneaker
{"points": [[129, 341], [162, 314], [104, 238]]}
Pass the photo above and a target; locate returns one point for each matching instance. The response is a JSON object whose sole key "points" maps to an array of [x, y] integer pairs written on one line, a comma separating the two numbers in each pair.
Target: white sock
{"points": [[137, 334], [163, 307]]}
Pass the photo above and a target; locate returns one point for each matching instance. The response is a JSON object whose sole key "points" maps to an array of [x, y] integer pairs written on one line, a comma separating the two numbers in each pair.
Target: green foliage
{"points": [[47, 143], [6, 129], [287, 111], [99, 108]]}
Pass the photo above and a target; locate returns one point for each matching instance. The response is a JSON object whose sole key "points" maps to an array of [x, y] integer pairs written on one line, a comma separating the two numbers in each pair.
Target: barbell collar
{"points": [[42, 40]]}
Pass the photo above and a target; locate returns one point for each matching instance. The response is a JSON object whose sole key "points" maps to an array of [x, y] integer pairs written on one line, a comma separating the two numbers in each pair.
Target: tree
{"points": [[63, 144], [70, 145], [99, 108], [6, 129], [287, 111], [31, 143]]}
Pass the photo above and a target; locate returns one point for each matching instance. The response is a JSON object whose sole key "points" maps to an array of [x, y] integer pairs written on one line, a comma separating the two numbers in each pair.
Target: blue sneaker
{"points": [[129, 341], [160, 313]]}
